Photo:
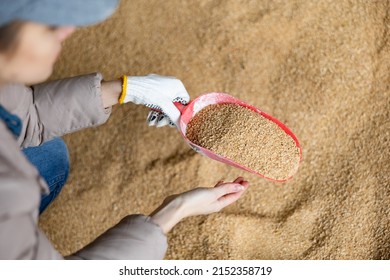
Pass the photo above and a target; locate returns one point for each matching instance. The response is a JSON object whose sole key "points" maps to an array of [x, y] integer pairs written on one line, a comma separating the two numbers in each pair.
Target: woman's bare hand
{"points": [[199, 201]]}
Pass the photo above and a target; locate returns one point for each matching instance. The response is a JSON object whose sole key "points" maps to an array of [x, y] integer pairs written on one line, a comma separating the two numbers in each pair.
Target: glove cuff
{"points": [[124, 89]]}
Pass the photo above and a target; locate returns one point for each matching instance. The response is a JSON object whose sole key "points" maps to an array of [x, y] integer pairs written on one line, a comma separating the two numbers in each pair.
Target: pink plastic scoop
{"points": [[191, 109]]}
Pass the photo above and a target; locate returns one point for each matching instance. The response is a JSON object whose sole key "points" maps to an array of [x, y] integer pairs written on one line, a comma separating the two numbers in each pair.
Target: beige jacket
{"points": [[49, 110]]}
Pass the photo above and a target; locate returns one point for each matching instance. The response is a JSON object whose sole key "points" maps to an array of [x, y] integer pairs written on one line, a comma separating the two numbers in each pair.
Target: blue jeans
{"points": [[52, 161]]}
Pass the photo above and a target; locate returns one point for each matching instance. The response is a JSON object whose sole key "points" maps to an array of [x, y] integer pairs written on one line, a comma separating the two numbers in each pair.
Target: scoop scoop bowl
{"points": [[189, 110]]}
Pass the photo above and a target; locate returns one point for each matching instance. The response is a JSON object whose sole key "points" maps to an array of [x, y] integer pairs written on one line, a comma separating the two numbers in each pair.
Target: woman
{"points": [[34, 162]]}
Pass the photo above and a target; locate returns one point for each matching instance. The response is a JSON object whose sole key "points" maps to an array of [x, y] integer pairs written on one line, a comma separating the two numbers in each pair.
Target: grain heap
{"points": [[247, 138]]}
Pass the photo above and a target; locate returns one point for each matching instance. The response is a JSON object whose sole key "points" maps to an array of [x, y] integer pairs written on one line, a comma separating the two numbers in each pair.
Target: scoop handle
{"points": [[180, 106]]}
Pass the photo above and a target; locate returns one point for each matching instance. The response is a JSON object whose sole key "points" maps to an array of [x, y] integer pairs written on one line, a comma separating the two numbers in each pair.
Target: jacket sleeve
{"points": [[20, 193], [135, 237], [61, 107]]}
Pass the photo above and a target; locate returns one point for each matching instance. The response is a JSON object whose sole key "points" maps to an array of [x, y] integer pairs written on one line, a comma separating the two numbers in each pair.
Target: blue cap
{"points": [[57, 12]]}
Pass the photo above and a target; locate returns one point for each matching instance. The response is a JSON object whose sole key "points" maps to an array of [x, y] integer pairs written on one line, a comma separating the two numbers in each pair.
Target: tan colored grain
{"points": [[246, 137], [322, 65]]}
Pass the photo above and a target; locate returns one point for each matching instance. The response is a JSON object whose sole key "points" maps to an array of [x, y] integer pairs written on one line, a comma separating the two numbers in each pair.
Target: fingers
{"points": [[152, 117], [219, 183], [229, 198], [222, 189], [227, 193], [171, 112], [162, 120], [169, 115], [233, 191], [158, 119], [200, 201], [238, 181], [183, 100]]}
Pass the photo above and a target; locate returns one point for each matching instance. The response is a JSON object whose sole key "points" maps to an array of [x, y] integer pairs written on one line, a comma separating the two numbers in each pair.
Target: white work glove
{"points": [[158, 93]]}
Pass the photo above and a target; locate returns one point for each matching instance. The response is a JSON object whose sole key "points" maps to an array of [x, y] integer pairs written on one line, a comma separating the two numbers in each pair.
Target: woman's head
{"points": [[28, 50], [31, 33]]}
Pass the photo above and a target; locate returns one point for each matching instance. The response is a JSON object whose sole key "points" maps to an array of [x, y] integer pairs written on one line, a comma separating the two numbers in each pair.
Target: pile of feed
{"points": [[247, 138], [321, 67]]}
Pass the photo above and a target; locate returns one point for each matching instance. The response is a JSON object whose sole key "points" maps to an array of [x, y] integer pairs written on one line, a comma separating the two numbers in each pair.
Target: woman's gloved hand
{"points": [[158, 93]]}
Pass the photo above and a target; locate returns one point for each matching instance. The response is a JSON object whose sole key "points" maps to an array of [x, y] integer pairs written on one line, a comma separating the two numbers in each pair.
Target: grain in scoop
{"points": [[246, 137]]}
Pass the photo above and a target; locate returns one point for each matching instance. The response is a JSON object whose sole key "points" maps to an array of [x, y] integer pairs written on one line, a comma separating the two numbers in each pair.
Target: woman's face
{"points": [[37, 49]]}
